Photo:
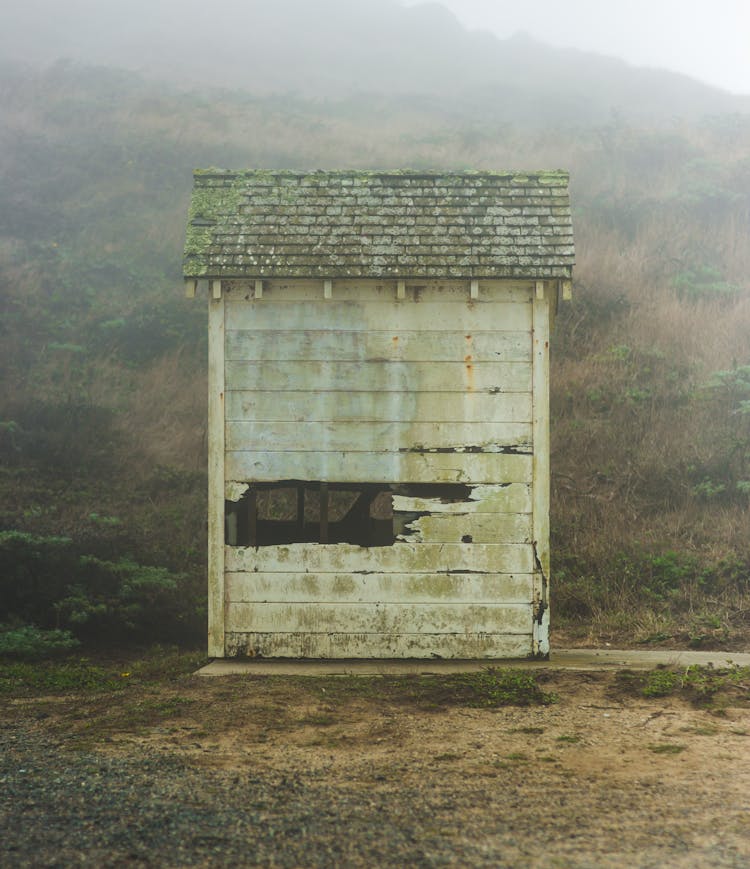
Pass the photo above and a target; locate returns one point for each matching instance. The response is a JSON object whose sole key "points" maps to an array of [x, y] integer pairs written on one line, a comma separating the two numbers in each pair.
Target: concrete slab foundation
{"points": [[562, 659]]}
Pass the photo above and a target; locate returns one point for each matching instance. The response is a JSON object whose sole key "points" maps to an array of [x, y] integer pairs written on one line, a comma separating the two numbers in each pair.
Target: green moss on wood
{"points": [[378, 223]]}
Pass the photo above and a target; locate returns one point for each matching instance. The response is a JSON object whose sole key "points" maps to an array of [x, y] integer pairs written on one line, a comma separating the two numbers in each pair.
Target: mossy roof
{"points": [[406, 224]]}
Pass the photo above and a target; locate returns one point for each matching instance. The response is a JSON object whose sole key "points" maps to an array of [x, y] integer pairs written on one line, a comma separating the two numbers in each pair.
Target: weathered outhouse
{"points": [[378, 408]]}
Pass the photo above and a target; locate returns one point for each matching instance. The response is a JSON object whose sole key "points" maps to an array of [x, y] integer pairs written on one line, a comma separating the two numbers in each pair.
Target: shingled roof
{"points": [[407, 224]]}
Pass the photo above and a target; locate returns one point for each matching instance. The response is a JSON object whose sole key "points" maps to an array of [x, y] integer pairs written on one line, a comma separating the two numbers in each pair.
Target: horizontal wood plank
{"points": [[379, 588], [402, 557], [469, 528], [356, 618], [353, 289], [383, 467], [374, 436], [336, 645], [377, 346], [300, 406], [509, 498], [467, 316], [379, 376]]}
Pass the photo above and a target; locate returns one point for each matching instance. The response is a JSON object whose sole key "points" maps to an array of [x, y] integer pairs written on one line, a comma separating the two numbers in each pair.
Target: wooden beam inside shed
{"points": [[252, 517], [300, 511], [324, 512]]}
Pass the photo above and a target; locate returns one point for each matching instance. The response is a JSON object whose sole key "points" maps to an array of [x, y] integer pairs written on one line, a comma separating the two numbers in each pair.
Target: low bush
{"points": [[29, 642], [48, 582], [67, 440]]}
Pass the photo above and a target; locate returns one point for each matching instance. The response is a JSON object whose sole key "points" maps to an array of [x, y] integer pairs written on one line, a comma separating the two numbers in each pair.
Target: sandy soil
{"points": [[598, 778]]}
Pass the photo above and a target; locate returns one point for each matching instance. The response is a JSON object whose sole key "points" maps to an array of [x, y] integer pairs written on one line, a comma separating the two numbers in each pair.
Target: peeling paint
{"points": [[504, 449], [233, 491]]}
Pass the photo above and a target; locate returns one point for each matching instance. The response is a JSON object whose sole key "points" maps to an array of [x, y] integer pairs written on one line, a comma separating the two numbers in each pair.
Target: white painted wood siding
{"points": [[364, 387], [364, 356]]}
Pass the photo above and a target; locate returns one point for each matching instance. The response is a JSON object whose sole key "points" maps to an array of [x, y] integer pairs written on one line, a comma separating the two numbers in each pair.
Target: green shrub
{"points": [[704, 281], [635, 580], [29, 642], [35, 572], [660, 683], [48, 582], [66, 440], [117, 599]]}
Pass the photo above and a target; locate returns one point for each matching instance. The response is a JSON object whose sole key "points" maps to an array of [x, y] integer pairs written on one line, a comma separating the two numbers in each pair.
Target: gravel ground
{"points": [[366, 784]]}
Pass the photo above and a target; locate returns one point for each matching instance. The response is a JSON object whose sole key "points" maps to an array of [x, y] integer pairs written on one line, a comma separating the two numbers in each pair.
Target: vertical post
{"points": [[324, 512], [300, 512], [232, 525], [252, 517], [541, 471], [216, 424]]}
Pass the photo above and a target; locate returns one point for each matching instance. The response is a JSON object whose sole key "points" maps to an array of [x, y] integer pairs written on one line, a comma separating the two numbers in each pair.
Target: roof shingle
{"points": [[407, 224]]}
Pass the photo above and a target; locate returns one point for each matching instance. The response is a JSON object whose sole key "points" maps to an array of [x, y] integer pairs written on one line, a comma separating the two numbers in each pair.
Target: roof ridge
{"points": [[212, 172]]}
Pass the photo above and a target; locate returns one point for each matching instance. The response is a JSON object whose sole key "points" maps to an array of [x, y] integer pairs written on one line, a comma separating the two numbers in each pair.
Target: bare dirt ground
{"points": [[254, 771]]}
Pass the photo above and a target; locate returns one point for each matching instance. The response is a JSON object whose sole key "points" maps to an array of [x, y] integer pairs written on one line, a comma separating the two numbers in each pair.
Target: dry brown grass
{"points": [[165, 420]]}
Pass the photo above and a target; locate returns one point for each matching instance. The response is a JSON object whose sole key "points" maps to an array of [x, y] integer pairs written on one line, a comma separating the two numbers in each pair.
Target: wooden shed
{"points": [[378, 408]]}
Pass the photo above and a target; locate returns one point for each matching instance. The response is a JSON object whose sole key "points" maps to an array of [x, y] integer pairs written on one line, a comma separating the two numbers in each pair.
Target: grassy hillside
{"points": [[102, 400]]}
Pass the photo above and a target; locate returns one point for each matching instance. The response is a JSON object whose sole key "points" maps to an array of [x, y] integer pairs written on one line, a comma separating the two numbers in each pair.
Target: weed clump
{"points": [[708, 687], [660, 683]]}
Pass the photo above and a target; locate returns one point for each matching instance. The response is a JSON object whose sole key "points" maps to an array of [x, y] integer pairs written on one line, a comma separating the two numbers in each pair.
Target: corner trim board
{"points": [[540, 472], [216, 441]]}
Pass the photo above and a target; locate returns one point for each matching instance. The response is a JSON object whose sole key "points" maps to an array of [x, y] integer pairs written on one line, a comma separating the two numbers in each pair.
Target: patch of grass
{"points": [[491, 688], [82, 675], [666, 748], [166, 663], [448, 755], [568, 738], [660, 683], [708, 687], [149, 710], [529, 730], [132, 716], [318, 719], [59, 677]]}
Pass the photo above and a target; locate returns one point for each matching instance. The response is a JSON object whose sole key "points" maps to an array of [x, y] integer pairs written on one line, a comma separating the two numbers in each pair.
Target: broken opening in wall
{"points": [[296, 511], [302, 511]]}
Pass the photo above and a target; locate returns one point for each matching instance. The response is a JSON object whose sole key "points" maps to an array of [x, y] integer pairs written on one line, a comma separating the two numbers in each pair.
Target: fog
{"points": [[326, 46], [706, 39]]}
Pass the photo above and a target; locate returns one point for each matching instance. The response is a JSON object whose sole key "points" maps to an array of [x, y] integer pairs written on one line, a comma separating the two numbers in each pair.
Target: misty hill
{"points": [[102, 397], [338, 49]]}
